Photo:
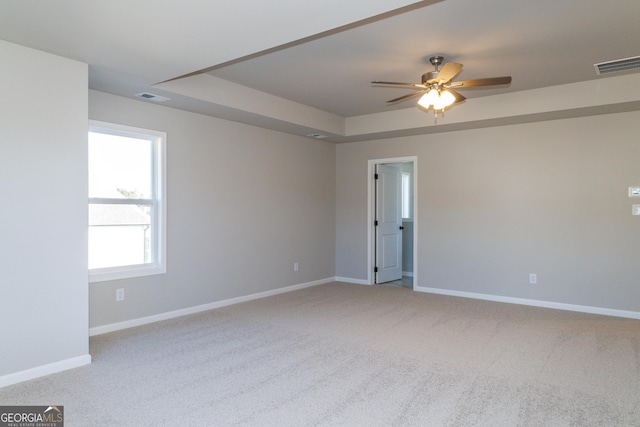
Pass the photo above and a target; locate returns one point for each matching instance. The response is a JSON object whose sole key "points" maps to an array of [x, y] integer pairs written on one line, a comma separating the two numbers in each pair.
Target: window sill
{"points": [[128, 272]]}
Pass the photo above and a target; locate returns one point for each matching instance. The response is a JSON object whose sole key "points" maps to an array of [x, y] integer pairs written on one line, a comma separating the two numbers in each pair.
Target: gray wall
{"points": [[244, 204], [407, 247], [496, 204], [43, 226]]}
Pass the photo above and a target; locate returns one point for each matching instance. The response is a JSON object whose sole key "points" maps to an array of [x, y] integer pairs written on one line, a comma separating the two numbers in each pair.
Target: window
{"points": [[127, 202], [406, 192]]}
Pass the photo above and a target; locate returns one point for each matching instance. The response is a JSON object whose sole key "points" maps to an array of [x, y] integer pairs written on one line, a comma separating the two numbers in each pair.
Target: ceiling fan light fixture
{"points": [[446, 98], [436, 98], [428, 99]]}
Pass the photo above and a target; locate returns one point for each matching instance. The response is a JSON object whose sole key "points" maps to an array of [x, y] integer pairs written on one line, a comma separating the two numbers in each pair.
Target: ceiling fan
{"points": [[436, 87]]}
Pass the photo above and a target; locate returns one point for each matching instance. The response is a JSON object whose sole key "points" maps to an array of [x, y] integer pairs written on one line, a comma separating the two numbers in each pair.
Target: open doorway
{"points": [[392, 221]]}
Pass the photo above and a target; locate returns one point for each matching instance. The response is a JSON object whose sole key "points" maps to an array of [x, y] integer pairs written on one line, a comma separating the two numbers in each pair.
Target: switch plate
{"points": [[295, 266], [533, 278], [636, 209], [120, 294], [634, 191]]}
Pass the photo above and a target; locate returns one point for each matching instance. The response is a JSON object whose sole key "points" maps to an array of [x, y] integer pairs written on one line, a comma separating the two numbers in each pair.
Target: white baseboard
{"points": [[350, 280], [104, 329], [41, 371], [533, 303]]}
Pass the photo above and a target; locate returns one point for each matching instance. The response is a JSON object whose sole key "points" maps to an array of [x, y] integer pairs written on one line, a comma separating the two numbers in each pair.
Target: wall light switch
{"points": [[636, 209], [634, 191]]}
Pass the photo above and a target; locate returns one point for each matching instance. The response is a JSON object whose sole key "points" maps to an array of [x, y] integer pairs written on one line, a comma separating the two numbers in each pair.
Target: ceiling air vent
{"points": [[618, 65], [152, 97], [317, 135]]}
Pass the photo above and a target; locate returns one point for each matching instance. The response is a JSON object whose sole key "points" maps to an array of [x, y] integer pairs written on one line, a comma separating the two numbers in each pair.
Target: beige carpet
{"points": [[351, 355]]}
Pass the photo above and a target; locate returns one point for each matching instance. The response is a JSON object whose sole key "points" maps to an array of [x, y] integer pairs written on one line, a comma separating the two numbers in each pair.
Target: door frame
{"points": [[371, 205]]}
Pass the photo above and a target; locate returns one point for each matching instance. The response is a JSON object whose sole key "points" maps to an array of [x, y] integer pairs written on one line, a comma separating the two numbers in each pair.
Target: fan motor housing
{"points": [[431, 75]]}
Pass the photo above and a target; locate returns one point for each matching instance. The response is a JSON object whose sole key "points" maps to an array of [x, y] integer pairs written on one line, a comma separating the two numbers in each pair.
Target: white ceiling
{"points": [[306, 67]]}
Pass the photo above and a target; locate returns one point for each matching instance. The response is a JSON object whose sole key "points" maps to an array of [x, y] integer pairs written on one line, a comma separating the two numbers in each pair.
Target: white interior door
{"points": [[389, 223]]}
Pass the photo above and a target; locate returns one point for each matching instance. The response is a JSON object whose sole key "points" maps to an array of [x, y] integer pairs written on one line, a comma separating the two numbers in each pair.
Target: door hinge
{"points": [[375, 176], [375, 223], [375, 269]]}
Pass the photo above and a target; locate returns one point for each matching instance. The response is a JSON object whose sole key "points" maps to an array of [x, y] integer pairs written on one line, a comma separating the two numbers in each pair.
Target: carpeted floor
{"points": [[351, 355]]}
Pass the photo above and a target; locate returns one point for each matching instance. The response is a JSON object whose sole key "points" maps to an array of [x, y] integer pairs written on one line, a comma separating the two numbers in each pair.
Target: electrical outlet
{"points": [[533, 278], [295, 266], [120, 294]]}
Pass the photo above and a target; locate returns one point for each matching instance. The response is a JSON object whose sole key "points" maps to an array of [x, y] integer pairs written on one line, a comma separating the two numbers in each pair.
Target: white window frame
{"points": [[406, 196], [158, 203]]}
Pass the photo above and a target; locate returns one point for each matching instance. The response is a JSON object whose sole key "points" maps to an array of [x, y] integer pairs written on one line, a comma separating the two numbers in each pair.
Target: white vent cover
{"points": [[618, 65], [152, 97]]}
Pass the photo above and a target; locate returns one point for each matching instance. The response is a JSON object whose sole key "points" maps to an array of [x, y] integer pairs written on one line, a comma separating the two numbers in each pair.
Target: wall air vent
{"points": [[618, 65], [152, 97]]}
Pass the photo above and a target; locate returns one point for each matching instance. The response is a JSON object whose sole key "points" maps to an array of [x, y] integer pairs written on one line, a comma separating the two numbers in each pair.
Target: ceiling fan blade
{"points": [[402, 98], [448, 72], [458, 96], [490, 81], [399, 84]]}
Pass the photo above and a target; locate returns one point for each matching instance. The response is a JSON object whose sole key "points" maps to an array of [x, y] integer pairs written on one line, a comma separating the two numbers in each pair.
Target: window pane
{"points": [[406, 210], [119, 166], [119, 235]]}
